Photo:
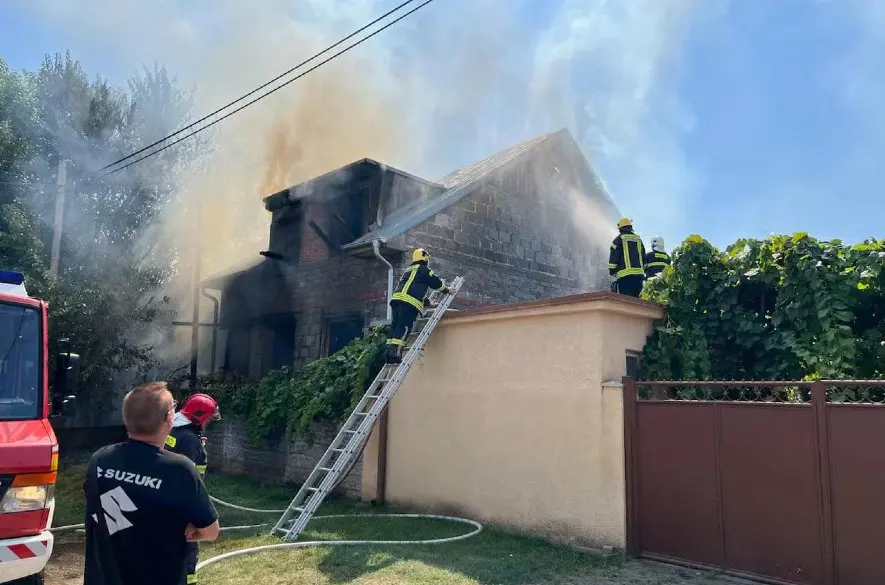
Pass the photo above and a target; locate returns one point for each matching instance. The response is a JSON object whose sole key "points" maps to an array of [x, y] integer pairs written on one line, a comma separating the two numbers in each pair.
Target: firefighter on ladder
{"points": [[657, 259], [626, 260], [409, 301], [186, 438]]}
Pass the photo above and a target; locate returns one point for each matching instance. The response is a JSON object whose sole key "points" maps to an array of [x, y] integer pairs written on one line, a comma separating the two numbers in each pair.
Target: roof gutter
{"points": [[376, 247]]}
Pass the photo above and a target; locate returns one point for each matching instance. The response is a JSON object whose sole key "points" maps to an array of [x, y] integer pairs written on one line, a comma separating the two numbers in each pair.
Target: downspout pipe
{"points": [[376, 246], [214, 328]]}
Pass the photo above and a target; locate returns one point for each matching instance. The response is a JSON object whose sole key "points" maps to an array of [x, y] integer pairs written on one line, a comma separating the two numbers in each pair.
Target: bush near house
{"points": [[787, 307], [287, 401]]}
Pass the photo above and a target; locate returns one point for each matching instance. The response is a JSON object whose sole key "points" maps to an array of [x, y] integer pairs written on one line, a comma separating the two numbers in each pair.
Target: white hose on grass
{"points": [[70, 527], [477, 528], [82, 527], [243, 508]]}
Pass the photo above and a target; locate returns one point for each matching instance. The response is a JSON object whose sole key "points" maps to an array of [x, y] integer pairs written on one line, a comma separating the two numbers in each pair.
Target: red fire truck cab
{"points": [[28, 446]]}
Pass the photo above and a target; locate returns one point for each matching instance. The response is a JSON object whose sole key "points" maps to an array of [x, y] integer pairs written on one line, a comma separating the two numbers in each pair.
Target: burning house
{"points": [[528, 223]]}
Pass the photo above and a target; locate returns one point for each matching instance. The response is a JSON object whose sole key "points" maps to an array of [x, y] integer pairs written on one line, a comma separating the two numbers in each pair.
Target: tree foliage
{"points": [[286, 401], [788, 307], [105, 296]]}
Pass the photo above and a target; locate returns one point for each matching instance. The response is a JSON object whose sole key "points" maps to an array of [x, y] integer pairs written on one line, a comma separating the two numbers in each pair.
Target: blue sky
{"points": [[724, 118]]}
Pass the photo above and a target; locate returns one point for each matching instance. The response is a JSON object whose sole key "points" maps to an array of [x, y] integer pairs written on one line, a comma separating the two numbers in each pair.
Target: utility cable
{"points": [[264, 95], [257, 89]]}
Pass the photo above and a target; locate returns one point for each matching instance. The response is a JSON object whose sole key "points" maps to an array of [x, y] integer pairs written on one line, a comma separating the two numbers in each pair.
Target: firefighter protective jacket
{"points": [[414, 284], [655, 262], [627, 256], [185, 440]]}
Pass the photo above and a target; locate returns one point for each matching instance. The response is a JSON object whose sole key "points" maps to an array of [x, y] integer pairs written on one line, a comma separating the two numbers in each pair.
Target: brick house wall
{"points": [[332, 288], [514, 238], [511, 247], [229, 451]]}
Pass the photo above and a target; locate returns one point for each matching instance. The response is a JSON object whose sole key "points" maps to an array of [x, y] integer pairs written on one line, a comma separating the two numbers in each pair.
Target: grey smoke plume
{"points": [[452, 84]]}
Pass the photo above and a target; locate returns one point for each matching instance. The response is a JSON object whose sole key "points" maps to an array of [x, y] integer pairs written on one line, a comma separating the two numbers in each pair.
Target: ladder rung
{"points": [[296, 518]]}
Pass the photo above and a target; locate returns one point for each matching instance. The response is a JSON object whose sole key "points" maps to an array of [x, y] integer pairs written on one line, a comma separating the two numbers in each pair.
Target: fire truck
{"points": [[28, 446]]}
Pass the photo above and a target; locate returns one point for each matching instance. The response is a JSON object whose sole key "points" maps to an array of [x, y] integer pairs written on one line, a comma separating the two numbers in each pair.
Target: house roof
{"points": [[457, 184], [356, 170]]}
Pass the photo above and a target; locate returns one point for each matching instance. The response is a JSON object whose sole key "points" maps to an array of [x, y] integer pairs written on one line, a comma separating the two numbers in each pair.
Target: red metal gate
{"points": [[779, 481]]}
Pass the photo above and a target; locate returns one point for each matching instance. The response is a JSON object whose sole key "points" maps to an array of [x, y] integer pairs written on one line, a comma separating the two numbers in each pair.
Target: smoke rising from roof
{"points": [[452, 84]]}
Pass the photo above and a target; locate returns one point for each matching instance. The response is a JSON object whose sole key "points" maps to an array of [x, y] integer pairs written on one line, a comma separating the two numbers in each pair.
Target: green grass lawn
{"points": [[492, 557]]}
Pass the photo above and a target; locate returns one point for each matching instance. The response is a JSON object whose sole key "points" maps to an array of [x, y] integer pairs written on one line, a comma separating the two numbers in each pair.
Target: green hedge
{"points": [[286, 401], [787, 307]]}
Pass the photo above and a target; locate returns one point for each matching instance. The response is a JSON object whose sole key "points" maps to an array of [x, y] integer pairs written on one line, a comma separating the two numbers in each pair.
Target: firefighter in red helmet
{"points": [[186, 438]]}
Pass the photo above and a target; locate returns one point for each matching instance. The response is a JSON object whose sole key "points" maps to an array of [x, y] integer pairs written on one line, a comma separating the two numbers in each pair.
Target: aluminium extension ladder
{"points": [[347, 446]]}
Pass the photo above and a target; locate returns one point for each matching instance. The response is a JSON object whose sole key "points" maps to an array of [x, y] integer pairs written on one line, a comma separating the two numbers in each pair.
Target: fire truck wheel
{"points": [[30, 580]]}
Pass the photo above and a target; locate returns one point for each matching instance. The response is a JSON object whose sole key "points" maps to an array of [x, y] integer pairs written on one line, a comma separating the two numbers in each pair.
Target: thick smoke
{"points": [[452, 84]]}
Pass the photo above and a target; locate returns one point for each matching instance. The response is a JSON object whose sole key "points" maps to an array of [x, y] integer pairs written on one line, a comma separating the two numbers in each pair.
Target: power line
{"points": [[259, 88], [247, 104]]}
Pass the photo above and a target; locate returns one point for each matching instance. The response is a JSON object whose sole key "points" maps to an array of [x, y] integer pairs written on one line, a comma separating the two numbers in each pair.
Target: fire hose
{"points": [[477, 528]]}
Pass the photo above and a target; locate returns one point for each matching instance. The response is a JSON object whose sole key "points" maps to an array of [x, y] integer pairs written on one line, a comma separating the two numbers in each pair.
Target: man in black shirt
{"points": [[143, 503]]}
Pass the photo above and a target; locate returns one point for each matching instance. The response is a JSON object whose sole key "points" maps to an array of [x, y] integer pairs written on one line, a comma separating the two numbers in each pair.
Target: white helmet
{"points": [[657, 244]]}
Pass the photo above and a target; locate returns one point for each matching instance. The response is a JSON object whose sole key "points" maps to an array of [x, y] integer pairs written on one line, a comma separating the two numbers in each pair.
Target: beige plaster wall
{"points": [[507, 419]]}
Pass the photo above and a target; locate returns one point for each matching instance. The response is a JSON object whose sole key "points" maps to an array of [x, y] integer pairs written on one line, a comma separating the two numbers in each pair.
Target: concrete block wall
{"points": [[340, 285], [229, 451], [509, 250]]}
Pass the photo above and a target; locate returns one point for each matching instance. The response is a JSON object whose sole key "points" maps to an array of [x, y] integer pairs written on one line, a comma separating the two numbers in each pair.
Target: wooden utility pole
{"points": [[195, 317], [59, 216]]}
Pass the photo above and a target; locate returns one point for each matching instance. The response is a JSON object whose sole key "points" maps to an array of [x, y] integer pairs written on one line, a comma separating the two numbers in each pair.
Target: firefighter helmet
{"points": [[419, 255], [657, 244], [200, 409], [625, 222]]}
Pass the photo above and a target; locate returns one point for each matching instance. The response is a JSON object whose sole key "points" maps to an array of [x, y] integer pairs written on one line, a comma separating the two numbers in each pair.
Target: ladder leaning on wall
{"points": [[347, 446]]}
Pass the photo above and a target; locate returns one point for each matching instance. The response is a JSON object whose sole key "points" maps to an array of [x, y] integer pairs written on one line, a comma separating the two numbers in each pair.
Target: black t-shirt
{"points": [[148, 495]]}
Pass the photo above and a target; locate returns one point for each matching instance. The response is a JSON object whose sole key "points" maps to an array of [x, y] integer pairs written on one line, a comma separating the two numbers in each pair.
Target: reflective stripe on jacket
{"points": [[627, 256], [414, 284], [655, 262]]}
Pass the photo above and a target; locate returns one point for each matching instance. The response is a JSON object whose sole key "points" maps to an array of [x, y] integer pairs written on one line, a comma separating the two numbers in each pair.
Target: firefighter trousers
{"points": [[191, 557], [404, 316], [631, 285]]}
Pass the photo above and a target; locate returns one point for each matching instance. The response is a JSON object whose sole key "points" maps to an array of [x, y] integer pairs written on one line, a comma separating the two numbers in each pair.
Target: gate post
{"points": [[631, 454], [821, 425]]}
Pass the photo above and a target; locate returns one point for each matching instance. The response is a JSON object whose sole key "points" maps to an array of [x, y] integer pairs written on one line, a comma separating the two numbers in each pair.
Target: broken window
{"points": [[236, 351], [343, 330], [281, 339]]}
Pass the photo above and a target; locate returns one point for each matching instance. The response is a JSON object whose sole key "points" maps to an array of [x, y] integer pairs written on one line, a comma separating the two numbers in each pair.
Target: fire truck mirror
{"points": [[67, 374]]}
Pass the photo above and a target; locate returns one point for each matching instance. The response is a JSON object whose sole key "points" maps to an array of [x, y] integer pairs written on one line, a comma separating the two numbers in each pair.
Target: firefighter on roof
{"points": [[186, 438], [626, 261], [408, 301], [657, 259]]}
